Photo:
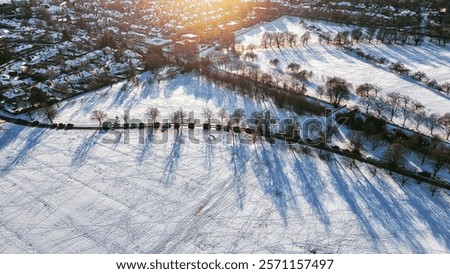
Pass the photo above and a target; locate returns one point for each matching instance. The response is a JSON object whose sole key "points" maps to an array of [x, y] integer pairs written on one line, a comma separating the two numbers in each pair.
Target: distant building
{"points": [[159, 42], [186, 46], [190, 36]]}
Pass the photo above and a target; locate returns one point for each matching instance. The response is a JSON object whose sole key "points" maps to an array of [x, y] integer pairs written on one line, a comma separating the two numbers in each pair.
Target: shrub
{"points": [[400, 68], [433, 84]]}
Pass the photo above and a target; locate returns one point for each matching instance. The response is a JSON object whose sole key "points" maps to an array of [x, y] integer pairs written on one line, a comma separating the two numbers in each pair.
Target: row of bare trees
{"points": [[395, 105], [281, 39], [420, 76], [437, 153]]}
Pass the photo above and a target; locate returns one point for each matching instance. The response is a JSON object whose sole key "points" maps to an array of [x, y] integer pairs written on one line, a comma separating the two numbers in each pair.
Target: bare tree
{"points": [[337, 89], [305, 38], [292, 39], [440, 157], [445, 121], [126, 117], [418, 106], [432, 121], [420, 76], [153, 113], [267, 39], [395, 154], [320, 91], [366, 102], [406, 113], [222, 113], [325, 37], [207, 114], [367, 89], [342, 38], [50, 111], [405, 100], [178, 116], [98, 115], [393, 100], [238, 114], [357, 34], [380, 105], [403, 180], [400, 68], [424, 154], [364, 89], [420, 117], [279, 38]]}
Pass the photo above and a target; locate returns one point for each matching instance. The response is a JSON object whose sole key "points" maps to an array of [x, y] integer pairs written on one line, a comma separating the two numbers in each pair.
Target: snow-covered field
{"points": [[190, 92], [79, 192], [329, 60]]}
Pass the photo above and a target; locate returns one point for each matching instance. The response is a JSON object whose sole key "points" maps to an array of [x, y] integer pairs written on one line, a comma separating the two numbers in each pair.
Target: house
{"points": [[85, 76], [54, 37], [158, 42], [14, 94]]}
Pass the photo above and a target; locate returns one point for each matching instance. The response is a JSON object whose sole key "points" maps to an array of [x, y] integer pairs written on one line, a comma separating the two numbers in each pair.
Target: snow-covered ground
{"points": [[329, 60], [84, 192], [190, 92]]}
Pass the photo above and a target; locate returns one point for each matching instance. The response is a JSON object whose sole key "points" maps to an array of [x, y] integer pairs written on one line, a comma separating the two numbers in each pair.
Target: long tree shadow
{"points": [[275, 182], [89, 102], [172, 160], [424, 55], [393, 217], [402, 77], [9, 133], [296, 55], [205, 90], [238, 162], [28, 146], [434, 211], [145, 148], [200, 88], [82, 151], [121, 96], [311, 186], [209, 154], [150, 89], [350, 198]]}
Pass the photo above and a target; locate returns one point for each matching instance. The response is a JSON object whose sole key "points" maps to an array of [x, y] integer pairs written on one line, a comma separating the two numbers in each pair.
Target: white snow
{"points": [[82, 192], [328, 61]]}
